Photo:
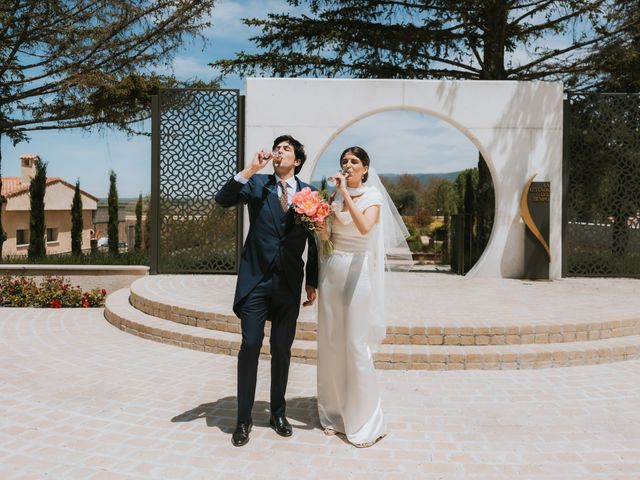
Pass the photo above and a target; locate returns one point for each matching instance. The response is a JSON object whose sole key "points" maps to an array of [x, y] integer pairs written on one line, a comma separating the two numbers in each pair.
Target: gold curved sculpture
{"points": [[526, 216]]}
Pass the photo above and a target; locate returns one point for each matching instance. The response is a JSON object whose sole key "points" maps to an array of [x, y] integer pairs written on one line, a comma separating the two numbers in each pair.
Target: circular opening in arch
{"points": [[436, 177]]}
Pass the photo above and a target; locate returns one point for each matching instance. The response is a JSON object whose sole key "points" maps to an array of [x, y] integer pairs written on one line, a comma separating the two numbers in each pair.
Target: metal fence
{"points": [[601, 204], [196, 146]]}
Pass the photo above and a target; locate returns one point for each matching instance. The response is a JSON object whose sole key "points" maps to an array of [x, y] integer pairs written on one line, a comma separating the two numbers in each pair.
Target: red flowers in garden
{"points": [[53, 292]]}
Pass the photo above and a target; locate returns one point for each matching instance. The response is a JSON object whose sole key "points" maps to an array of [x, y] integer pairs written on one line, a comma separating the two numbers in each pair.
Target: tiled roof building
{"points": [[58, 198]]}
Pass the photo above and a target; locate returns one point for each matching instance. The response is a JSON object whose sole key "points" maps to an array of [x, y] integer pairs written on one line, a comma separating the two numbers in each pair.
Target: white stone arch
{"points": [[517, 126], [460, 128]]}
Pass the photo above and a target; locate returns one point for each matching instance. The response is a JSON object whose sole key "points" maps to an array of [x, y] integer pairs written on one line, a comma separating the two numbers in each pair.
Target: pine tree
{"points": [[615, 66], [77, 223], [455, 39], [37, 226], [112, 228], [138, 234], [87, 64]]}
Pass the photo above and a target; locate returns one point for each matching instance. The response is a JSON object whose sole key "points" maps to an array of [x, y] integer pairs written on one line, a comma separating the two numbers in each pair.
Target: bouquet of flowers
{"points": [[311, 210]]}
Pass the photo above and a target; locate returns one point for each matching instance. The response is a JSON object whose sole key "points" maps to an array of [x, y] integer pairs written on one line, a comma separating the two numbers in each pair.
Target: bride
{"points": [[351, 322]]}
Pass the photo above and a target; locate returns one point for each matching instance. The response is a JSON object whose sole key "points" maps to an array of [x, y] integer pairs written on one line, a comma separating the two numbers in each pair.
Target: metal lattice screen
{"points": [[602, 195], [196, 149]]}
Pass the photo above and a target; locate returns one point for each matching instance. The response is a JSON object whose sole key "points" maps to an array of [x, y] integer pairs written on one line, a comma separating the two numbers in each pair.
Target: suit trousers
{"points": [[270, 299]]}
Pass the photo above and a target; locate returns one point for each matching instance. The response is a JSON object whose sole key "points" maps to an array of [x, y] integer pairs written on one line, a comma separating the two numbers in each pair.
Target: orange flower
{"points": [[322, 213], [306, 202]]}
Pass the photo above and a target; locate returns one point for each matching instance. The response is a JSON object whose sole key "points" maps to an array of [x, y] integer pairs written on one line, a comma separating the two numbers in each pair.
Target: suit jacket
{"points": [[275, 243]]}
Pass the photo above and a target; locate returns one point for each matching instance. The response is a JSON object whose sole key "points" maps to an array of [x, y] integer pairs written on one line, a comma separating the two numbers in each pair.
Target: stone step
{"points": [[219, 317], [121, 313]]}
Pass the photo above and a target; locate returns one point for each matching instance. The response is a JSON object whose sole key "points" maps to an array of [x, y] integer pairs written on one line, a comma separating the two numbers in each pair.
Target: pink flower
{"points": [[322, 213], [306, 202]]}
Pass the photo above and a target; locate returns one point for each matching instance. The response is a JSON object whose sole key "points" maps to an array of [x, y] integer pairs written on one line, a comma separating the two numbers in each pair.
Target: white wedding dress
{"points": [[350, 325]]}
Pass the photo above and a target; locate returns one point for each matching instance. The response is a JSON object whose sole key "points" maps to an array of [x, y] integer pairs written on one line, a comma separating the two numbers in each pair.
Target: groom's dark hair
{"points": [[298, 150]]}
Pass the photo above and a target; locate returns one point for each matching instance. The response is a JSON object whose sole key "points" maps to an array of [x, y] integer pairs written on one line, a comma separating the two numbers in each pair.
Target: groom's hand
{"points": [[260, 160], [311, 295]]}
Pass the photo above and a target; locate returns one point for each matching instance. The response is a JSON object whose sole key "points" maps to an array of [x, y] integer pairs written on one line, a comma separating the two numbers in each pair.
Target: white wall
{"points": [[517, 126]]}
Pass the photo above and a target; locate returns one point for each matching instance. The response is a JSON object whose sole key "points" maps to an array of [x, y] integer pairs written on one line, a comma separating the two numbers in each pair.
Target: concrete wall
{"points": [[109, 277], [517, 126]]}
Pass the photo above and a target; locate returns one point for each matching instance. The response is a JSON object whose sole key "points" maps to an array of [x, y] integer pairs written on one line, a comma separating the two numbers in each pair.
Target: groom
{"points": [[270, 275]]}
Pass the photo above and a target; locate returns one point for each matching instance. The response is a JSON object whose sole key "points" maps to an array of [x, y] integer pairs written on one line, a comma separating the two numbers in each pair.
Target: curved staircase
{"points": [[439, 321]]}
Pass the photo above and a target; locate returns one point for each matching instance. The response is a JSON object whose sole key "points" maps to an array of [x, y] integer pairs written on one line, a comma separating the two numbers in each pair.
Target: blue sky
{"points": [[398, 142]]}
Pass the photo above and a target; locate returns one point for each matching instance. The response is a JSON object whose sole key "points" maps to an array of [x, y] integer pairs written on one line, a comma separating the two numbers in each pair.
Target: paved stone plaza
{"points": [[81, 399]]}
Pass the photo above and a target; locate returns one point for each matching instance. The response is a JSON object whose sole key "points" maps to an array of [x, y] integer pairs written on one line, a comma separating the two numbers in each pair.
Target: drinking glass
{"points": [[331, 181]]}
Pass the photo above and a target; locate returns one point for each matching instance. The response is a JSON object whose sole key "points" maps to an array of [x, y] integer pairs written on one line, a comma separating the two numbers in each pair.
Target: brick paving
{"points": [[81, 399]]}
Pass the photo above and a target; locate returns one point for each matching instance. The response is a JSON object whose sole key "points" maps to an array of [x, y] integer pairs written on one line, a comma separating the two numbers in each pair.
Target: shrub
{"points": [[53, 292], [94, 258]]}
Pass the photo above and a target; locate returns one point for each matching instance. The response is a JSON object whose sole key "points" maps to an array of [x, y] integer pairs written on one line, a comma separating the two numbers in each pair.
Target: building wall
{"points": [[58, 196], [102, 230], [14, 220]]}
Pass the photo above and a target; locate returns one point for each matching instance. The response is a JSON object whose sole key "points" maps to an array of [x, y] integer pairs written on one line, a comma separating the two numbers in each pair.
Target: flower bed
{"points": [[52, 292]]}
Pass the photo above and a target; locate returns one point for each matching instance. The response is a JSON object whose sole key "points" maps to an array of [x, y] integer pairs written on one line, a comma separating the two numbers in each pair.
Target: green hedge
{"points": [[97, 258]]}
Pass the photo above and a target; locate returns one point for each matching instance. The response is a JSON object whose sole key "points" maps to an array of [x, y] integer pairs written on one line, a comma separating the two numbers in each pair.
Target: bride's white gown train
{"points": [[348, 395]]}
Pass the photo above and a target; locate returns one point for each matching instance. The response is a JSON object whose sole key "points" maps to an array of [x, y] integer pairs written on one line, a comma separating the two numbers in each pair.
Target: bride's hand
{"points": [[312, 294], [341, 181], [322, 232]]}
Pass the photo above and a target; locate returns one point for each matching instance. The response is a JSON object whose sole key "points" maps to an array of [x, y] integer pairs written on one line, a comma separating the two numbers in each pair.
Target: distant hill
{"points": [[423, 177]]}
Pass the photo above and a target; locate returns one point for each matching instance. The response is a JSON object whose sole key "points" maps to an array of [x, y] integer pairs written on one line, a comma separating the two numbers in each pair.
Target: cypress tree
{"points": [[470, 208], [112, 229], [3, 235], [77, 224], [147, 227], [37, 240], [485, 204], [138, 235]]}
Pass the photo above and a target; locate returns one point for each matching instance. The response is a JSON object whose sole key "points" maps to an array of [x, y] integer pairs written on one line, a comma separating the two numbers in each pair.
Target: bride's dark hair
{"points": [[362, 155]]}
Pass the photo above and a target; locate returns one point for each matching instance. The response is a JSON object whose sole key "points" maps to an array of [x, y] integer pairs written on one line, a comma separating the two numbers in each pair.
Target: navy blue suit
{"points": [[269, 284]]}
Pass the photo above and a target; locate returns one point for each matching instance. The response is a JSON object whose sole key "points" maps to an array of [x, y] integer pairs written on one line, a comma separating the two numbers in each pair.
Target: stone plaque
{"points": [[534, 208]]}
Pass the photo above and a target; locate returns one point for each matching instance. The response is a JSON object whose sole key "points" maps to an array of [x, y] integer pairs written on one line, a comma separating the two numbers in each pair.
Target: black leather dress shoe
{"points": [[281, 425], [240, 436]]}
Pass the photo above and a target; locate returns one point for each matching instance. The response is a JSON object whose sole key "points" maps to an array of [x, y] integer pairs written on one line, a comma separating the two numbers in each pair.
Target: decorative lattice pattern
{"points": [[199, 145], [602, 202]]}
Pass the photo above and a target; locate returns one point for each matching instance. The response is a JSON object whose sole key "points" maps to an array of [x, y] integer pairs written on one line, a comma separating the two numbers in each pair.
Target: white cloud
{"points": [[403, 142], [190, 68], [74, 155], [227, 17]]}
